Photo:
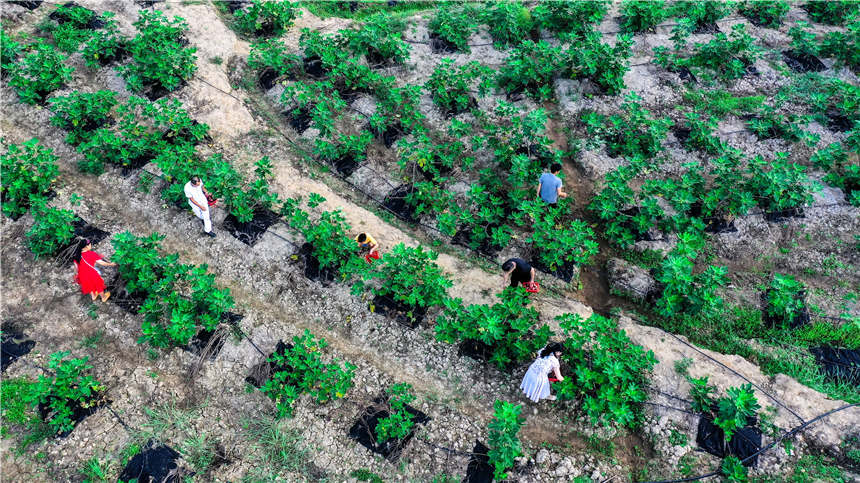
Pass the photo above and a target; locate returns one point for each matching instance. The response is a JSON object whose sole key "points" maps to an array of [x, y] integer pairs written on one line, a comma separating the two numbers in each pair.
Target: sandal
{"points": [[105, 296]]}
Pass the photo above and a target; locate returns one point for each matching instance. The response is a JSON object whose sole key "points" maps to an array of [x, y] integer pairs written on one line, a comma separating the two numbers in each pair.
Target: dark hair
{"points": [[79, 247], [195, 179], [555, 168], [551, 348], [362, 237], [508, 265]]}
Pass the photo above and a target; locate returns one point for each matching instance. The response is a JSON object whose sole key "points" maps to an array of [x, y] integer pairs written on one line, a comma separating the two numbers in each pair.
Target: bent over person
{"points": [[196, 194], [517, 271]]}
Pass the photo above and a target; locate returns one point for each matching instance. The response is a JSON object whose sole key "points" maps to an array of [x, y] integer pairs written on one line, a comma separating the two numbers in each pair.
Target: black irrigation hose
{"points": [[765, 448]]}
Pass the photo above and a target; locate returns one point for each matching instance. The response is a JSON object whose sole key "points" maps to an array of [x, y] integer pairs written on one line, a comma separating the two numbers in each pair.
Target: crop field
{"points": [[701, 270]]}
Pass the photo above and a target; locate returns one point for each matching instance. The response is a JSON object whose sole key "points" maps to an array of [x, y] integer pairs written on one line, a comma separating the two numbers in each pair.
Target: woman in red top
{"points": [[88, 276]]}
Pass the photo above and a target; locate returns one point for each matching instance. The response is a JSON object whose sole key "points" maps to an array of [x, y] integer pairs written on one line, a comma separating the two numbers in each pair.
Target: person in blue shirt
{"points": [[549, 185]]}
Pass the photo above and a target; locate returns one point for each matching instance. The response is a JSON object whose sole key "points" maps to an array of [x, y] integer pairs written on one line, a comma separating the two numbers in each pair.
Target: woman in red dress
{"points": [[88, 276]]}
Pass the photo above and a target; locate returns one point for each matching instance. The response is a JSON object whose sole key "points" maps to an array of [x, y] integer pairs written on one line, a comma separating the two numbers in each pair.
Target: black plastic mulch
{"points": [[346, 165], [313, 67], [838, 365], [61, 18], [389, 136], [479, 469], [564, 272], [87, 231], [156, 91], [398, 311], [135, 164], [364, 430], [300, 121], [395, 201], [682, 134], [441, 46], [203, 338], [710, 28], [28, 4], [686, 75], [463, 238], [838, 121], [797, 320], [79, 413], [153, 464], [13, 346], [249, 233], [744, 443], [801, 62], [313, 270], [780, 216], [262, 372]]}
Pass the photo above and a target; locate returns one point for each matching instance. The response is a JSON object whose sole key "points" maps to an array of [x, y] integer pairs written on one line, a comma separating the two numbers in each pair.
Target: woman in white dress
{"points": [[536, 382]]}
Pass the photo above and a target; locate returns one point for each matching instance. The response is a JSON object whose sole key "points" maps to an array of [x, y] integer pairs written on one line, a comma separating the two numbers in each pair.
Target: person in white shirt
{"points": [[196, 194]]}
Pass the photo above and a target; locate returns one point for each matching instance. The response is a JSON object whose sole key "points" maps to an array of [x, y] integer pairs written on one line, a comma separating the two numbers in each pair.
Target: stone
{"points": [[629, 279], [542, 456]]}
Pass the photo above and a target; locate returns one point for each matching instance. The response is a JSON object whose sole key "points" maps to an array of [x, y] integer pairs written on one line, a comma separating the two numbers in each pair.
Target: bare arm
{"points": [[539, 187], [561, 193], [105, 263], [506, 277], [557, 373]]}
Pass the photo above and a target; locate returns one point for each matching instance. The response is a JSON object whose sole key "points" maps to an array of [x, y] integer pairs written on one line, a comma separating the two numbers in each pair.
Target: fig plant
{"points": [[28, 171], [505, 446]]}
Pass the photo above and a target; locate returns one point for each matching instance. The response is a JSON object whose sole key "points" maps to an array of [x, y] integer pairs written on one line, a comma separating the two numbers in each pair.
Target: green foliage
{"points": [[830, 12], [94, 471], [380, 36], [104, 45], [179, 299], [802, 40], [408, 275], [603, 63], [266, 17], [52, 229], [69, 387], [632, 133], [733, 470], [778, 184], [785, 298], [40, 71], [158, 53], [301, 370], [82, 112], [729, 412], [573, 18], [609, 371], [720, 103], [28, 171], [9, 50], [702, 394], [502, 438], [734, 409], [725, 196], [768, 124], [641, 15], [702, 134], [450, 86], [841, 172], [702, 13], [455, 23], [531, 67], [507, 327], [685, 291], [727, 56], [845, 46], [765, 13], [332, 246], [273, 53], [399, 422], [560, 242], [509, 22]]}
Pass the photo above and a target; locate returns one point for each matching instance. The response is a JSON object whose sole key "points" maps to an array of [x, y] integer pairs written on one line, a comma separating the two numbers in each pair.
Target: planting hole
{"points": [[249, 233], [13, 346], [364, 430]]}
